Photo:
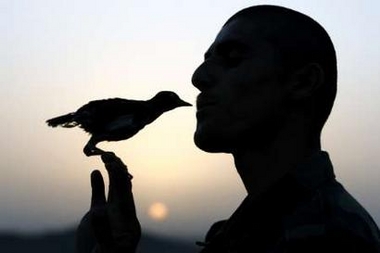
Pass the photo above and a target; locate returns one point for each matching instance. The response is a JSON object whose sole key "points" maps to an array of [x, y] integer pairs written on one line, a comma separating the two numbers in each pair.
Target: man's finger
{"points": [[98, 212], [119, 179], [98, 197], [120, 194]]}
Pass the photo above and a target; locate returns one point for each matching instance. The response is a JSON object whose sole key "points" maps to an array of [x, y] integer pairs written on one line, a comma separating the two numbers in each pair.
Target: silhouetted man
{"points": [[267, 86]]}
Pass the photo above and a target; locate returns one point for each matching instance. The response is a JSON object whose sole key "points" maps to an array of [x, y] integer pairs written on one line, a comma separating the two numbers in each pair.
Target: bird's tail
{"points": [[66, 120]]}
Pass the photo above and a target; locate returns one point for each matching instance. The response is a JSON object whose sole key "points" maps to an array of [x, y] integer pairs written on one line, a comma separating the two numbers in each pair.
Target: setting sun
{"points": [[158, 211]]}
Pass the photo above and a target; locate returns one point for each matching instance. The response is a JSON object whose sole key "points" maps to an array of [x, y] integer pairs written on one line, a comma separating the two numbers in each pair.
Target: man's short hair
{"points": [[300, 40]]}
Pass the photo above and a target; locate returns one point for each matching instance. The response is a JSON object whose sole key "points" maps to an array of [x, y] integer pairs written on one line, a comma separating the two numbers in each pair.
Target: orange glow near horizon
{"points": [[158, 211]]}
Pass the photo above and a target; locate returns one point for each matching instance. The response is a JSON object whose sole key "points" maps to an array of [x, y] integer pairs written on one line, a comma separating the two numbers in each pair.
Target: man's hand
{"points": [[111, 225]]}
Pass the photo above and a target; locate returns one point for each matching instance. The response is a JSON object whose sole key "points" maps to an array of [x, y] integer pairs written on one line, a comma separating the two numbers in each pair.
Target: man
{"points": [[267, 86]]}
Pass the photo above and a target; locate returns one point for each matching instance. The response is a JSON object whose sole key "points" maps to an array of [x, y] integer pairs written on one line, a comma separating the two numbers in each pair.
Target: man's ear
{"points": [[305, 81]]}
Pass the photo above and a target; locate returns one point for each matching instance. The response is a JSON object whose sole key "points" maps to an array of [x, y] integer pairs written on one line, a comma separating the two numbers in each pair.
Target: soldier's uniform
{"points": [[307, 211]]}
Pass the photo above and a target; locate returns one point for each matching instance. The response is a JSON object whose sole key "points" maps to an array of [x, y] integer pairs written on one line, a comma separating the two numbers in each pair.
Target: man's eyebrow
{"points": [[233, 43], [226, 45]]}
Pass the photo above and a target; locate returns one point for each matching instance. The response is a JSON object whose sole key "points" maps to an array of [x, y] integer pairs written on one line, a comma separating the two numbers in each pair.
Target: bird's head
{"points": [[168, 100]]}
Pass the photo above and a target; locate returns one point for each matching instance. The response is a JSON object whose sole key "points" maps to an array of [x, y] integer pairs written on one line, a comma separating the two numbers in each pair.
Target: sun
{"points": [[158, 211]]}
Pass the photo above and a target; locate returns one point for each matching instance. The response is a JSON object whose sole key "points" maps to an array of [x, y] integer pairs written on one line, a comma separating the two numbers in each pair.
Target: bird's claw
{"points": [[88, 151]]}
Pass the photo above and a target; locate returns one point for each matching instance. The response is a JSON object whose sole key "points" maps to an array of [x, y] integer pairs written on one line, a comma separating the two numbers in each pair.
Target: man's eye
{"points": [[226, 55], [233, 54], [232, 57]]}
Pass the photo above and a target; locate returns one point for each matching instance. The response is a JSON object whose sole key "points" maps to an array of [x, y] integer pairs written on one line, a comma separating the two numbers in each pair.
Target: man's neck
{"points": [[261, 167]]}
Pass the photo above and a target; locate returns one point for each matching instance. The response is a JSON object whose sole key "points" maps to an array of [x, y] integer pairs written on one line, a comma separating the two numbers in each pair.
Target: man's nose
{"points": [[201, 78]]}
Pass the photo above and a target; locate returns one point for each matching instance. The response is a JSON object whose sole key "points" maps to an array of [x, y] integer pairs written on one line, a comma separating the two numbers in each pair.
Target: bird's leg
{"points": [[90, 149]]}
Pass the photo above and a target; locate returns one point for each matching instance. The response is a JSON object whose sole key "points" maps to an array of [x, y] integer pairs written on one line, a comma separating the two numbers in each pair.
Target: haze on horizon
{"points": [[57, 55]]}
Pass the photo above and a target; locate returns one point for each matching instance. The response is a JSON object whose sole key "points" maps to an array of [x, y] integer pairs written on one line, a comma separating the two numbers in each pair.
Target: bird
{"points": [[116, 119]]}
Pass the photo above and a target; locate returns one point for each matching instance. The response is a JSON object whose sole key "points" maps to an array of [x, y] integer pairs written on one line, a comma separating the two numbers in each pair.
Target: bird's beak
{"points": [[184, 103]]}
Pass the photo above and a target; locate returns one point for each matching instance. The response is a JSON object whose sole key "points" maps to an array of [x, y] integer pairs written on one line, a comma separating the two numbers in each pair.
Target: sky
{"points": [[57, 55]]}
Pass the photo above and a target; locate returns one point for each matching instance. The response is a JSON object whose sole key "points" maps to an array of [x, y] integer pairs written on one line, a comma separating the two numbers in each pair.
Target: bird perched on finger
{"points": [[117, 119]]}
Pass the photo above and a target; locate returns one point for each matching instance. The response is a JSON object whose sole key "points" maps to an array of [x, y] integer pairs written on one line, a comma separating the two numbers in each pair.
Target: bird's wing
{"points": [[123, 122], [99, 114], [123, 127]]}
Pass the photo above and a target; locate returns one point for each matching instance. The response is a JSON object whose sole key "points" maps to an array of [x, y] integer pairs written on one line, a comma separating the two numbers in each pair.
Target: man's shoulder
{"points": [[332, 216], [344, 212]]}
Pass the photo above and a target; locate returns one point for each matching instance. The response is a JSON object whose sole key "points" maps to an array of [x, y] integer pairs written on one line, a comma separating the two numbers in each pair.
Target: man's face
{"points": [[240, 91]]}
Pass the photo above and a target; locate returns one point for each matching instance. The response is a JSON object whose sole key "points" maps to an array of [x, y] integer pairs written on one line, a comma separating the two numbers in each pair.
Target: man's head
{"points": [[266, 63]]}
